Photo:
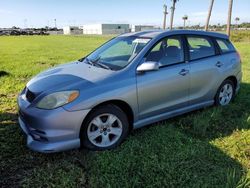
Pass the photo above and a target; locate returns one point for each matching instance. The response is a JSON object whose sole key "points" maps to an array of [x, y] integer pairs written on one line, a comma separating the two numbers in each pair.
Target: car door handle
{"points": [[184, 72], [219, 64]]}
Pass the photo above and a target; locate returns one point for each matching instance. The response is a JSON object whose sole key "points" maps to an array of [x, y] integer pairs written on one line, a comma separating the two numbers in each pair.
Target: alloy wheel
{"points": [[226, 94], [104, 130]]}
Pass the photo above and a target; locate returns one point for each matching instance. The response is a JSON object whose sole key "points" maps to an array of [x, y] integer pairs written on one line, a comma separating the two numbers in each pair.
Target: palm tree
{"points": [[165, 12], [237, 19], [185, 18], [229, 17], [172, 14], [209, 14]]}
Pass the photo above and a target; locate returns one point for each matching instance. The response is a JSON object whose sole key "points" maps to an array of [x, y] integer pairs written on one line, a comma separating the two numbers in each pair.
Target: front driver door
{"points": [[166, 89]]}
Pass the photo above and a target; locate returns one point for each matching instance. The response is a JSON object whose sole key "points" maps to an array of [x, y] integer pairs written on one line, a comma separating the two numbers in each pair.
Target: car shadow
{"points": [[183, 151], [179, 152], [216, 122], [8, 118], [17, 162]]}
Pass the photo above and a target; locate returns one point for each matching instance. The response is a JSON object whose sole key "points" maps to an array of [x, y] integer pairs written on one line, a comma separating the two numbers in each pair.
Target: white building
{"points": [[105, 29], [136, 28], [72, 30]]}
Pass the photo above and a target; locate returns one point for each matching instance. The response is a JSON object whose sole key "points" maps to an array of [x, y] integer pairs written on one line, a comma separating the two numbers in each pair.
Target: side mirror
{"points": [[148, 66]]}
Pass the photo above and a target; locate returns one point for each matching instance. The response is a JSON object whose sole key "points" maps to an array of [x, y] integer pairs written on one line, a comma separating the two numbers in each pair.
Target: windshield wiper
{"points": [[96, 62], [102, 65], [88, 61]]}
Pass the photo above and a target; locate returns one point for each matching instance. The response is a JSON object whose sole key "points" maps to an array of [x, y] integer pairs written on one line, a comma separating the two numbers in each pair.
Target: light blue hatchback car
{"points": [[131, 81]]}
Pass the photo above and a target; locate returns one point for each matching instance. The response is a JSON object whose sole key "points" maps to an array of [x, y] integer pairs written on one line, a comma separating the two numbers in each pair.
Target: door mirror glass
{"points": [[148, 66]]}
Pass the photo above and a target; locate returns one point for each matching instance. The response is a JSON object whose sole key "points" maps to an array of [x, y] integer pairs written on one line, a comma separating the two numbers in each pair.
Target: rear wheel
{"points": [[105, 128], [225, 93]]}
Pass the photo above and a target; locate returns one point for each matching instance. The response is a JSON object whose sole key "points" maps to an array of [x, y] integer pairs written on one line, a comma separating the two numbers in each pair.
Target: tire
{"points": [[105, 128], [228, 88]]}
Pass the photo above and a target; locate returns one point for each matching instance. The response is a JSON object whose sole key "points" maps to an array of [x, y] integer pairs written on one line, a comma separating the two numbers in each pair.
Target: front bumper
{"points": [[50, 130]]}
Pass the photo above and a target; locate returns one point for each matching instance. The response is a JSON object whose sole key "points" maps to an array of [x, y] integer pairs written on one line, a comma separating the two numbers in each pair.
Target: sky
{"points": [[40, 13]]}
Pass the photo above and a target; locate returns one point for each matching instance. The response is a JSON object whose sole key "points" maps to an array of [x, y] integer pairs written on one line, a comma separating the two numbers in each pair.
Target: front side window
{"points": [[225, 45], [200, 47], [118, 53], [168, 51]]}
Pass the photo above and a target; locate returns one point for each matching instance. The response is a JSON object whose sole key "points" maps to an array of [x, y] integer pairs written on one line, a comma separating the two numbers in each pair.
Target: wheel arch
{"points": [[125, 107], [233, 79]]}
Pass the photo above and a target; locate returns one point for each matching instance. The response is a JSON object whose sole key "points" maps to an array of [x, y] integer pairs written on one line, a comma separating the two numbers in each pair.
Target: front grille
{"points": [[30, 96]]}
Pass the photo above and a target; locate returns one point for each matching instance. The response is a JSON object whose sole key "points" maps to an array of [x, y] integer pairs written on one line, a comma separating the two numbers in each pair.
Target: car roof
{"points": [[156, 33]]}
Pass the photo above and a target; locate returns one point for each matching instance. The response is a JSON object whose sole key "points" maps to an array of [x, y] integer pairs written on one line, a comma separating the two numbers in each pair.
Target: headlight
{"points": [[57, 99]]}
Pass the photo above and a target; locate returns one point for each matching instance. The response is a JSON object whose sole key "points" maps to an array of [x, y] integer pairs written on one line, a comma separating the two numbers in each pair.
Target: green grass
{"points": [[240, 36], [206, 148]]}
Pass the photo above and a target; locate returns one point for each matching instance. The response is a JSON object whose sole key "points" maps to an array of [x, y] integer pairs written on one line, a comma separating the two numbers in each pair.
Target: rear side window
{"points": [[200, 47], [225, 45]]}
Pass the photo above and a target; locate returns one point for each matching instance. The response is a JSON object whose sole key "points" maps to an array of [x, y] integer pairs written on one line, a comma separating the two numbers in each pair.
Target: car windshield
{"points": [[117, 53]]}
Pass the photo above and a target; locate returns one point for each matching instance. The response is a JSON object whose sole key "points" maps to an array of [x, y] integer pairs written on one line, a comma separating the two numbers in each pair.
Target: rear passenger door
{"points": [[204, 68]]}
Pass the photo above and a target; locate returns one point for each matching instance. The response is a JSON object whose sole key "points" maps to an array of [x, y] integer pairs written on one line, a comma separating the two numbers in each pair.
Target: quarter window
{"points": [[168, 51], [225, 45], [200, 47]]}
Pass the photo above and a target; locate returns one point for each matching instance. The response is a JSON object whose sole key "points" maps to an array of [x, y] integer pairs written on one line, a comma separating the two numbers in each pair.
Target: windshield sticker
{"points": [[144, 41]]}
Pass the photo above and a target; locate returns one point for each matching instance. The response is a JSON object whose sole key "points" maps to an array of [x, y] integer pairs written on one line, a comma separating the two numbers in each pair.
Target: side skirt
{"points": [[166, 115]]}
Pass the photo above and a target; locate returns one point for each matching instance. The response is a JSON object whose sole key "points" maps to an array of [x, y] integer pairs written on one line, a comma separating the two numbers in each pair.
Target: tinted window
{"points": [[168, 51], [200, 47], [225, 45]]}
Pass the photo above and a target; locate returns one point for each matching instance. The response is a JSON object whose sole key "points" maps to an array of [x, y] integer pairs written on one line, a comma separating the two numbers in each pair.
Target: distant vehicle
{"points": [[17, 32], [131, 81]]}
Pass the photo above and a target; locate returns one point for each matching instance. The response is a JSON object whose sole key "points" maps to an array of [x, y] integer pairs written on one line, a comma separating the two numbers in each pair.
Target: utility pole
{"points": [[229, 17], [209, 14], [55, 22], [165, 12], [25, 23], [172, 14], [48, 23]]}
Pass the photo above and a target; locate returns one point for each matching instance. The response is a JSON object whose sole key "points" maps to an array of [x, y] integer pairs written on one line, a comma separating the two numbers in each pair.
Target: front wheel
{"points": [[225, 93], [105, 128]]}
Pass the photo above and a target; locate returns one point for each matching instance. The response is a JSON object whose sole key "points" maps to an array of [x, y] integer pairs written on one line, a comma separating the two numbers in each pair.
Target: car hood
{"points": [[68, 76]]}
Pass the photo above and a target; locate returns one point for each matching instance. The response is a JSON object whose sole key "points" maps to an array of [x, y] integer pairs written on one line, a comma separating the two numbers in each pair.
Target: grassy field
{"points": [[206, 148]]}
